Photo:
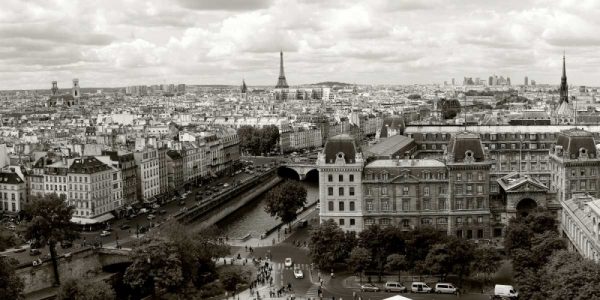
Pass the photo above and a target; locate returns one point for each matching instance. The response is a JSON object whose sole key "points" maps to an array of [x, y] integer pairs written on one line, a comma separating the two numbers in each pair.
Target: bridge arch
{"points": [[287, 172], [312, 175]]}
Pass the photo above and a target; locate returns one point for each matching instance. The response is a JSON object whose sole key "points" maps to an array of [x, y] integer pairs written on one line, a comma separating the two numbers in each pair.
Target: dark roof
{"points": [[342, 143], [573, 140], [87, 165], [394, 122], [463, 142], [10, 178], [174, 154]]}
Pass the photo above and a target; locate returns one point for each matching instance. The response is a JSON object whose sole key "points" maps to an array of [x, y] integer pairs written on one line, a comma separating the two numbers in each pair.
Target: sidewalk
{"points": [[272, 239]]}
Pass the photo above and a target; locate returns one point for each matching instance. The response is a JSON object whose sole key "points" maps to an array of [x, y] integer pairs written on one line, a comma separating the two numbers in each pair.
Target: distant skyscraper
{"points": [[508, 80], [491, 81], [452, 81], [281, 83], [526, 81]]}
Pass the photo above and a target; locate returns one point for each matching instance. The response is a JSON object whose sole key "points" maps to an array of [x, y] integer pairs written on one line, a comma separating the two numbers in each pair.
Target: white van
{"points": [[394, 287], [419, 287], [505, 292], [445, 288]]}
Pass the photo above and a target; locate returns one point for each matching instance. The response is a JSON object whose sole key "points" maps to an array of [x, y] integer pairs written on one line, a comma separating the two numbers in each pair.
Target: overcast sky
{"points": [[126, 42]]}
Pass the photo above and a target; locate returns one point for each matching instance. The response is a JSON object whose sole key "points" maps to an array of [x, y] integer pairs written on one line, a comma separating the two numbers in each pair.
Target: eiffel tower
{"points": [[281, 83]]}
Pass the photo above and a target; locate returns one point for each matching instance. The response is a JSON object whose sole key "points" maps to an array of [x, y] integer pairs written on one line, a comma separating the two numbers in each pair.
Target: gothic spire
{"points": [[281, 82], [564, 89]]}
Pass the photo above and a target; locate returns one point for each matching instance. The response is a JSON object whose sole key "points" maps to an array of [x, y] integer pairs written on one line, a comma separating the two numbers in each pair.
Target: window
{"points": [[469, 234], [459, 233], [480, 189], [479, 203], [330, 178], [351, 191], [442, 220], [369, 205], [352, 222], [426, 221], [384, 191], [426, 191], [405, 223], [469, 189], [458, 203], [405, 190], [426, 204], [341, 191], [458, 189], [479, 176], [341, 206], [582, 185], [352, 206], [469, 177], [442, 204], [351, 177], [385, 205], [330, 205], [330, 191], [341, 222], [458, 176], [384, 222], [405, 204], [479, 220], [341, 178]]}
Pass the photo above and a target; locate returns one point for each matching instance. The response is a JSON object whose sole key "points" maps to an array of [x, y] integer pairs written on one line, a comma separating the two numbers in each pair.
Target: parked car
{"points": [[394, 287], [367, 287], [445, 288], [151, 217], [125, 226], [505, 292], [420, 287], [288, 262], [298, 274], [105, 233], [34, 251]]}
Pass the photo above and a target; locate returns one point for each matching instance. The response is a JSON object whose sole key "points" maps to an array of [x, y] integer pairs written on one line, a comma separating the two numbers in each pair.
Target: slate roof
{"points": [[573, 140], [342, 143], [87, 165], [463, 142]]}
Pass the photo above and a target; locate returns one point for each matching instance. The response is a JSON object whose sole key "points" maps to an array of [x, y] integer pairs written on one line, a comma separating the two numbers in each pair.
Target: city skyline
{"points": [[223, 42]]}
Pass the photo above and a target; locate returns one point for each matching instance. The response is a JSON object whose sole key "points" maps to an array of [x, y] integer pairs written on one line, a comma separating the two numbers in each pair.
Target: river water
{"points": [[252, 218]]}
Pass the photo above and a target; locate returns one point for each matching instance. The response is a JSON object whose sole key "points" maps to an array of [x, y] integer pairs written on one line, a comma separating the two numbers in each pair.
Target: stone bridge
{"points": [[301, 169]]}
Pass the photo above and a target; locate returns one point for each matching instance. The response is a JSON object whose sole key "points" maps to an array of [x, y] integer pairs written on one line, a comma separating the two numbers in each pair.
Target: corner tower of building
{"points": [[340, 168]]}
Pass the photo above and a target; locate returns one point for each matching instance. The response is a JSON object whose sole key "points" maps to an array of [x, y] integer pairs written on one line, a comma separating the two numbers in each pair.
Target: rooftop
{"points": [[405, 163]]}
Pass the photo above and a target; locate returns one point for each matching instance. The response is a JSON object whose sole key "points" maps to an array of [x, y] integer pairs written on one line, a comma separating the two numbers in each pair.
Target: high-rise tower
{"points": [[54, 89], [75, 89], [564, 88], [281, 83]]}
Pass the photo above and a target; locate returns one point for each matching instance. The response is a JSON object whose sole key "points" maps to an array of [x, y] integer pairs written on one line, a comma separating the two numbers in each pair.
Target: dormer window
{"points": [[469, 158], [583, 153]]}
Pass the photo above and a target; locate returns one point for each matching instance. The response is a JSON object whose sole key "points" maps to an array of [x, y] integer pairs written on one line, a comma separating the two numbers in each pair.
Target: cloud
{"points": [[227, 5]]}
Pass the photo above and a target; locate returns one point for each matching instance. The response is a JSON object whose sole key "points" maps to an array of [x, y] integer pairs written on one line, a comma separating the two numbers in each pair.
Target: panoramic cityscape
{"points": [[272, 149]]}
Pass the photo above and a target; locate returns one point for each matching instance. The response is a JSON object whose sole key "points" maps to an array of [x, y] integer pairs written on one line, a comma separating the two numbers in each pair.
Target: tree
{"points": [[359, 261], [487, 260], [258, 141], [396, 262], [372, 238], [156, 266], [420, 241], [73, 289], [231, 279], [327, 245], [284, 200], [450, 108], [50, 224], [571, 277], [517, 235], [461, 253], [11, 286], [439, 261]]}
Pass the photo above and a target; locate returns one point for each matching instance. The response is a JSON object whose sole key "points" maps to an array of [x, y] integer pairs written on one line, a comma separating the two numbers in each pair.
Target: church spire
{"points": [[564, 89], [281, 82]]}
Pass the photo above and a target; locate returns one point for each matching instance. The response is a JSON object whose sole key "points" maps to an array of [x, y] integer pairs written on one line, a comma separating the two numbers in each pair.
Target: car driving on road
{"points": [[367, 287], [288, 262], [298, 274]]}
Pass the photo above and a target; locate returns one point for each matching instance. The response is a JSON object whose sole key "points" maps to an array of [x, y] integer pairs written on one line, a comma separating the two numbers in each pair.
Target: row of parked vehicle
{"points": [[415, 287]]}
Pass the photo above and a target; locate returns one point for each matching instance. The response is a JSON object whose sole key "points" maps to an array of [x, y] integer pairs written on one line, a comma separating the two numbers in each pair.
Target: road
{"points": [[127, 236]]}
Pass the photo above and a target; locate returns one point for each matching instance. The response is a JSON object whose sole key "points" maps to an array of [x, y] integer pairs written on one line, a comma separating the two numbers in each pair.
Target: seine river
{"points": [[252, 218]]}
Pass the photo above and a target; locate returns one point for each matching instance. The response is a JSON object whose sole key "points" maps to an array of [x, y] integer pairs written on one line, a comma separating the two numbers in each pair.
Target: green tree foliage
{"points": [[462, 256], [11, 286], [373, 239], [230, 279], [439, 261], [486, 260], [258, 141], [50, 224], [328, 245], [7, 239], [420, 241], [285, 200], [359, 260], [74, 289], [156, 267], [571, 277], [396, 263]]}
